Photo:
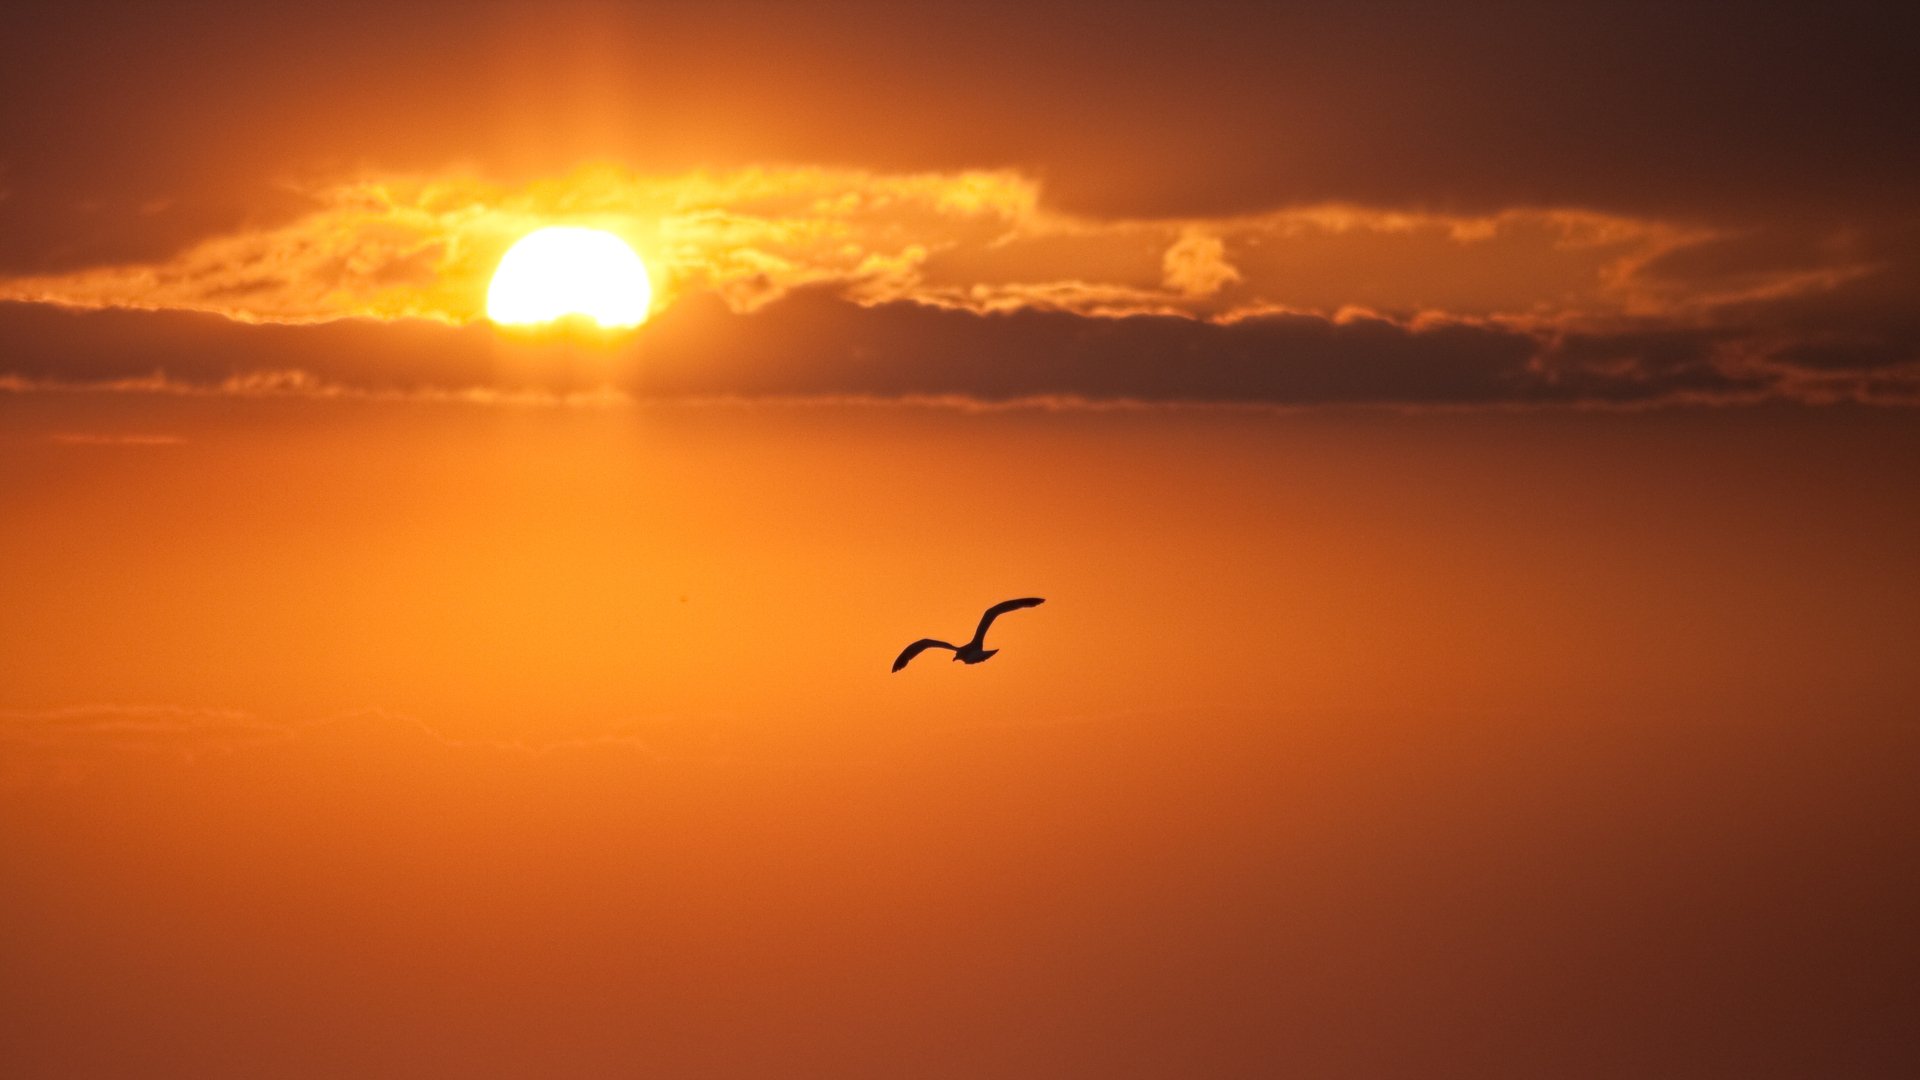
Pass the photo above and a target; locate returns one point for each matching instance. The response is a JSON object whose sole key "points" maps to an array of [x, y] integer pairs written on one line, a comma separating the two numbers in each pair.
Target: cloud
{"points": [[1196, 265], [87, 438], [816, 345], [424, 246], [63, 743], [850, 284]]}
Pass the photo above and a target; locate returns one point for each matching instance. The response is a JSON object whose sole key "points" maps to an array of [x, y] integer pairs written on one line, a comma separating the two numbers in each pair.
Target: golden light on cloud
{"points": [[448, 248], [565, 270]]}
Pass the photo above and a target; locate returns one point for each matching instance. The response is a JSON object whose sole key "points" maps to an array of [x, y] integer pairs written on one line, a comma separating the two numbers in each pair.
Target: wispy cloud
{"points": [[69, 744], [425, 246], [81, 438], [61, 744], [292, 383]]}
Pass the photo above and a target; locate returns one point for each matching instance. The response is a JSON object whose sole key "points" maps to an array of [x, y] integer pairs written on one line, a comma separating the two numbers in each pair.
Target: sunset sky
{"points": [[1468, 451]]}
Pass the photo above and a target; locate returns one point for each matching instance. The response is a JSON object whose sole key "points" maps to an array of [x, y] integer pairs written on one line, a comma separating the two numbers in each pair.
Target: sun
{"points": [[566, 270]]}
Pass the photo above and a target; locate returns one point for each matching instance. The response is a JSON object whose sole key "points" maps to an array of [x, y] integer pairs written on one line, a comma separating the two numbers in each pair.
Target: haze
{"points": [[1467, 453]]}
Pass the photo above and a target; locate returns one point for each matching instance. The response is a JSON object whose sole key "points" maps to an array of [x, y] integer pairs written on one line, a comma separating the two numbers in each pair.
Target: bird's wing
{"points": [[919, 647], [997, 610]]}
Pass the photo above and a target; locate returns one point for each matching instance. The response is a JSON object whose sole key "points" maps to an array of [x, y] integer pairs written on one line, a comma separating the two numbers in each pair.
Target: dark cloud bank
{"points": [[813, 344]]}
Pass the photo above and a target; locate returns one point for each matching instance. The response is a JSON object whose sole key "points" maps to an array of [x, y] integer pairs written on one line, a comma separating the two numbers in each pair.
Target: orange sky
{"points": [[459, 738], [454, 560], [1467, 453]]}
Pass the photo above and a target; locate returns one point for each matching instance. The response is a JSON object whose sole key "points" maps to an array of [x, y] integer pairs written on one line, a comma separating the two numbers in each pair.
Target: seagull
{"points": [[973, 651]]}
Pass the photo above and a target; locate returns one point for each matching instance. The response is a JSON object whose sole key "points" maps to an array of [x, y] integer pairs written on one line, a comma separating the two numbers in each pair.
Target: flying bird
{"points": [[973, 651]]}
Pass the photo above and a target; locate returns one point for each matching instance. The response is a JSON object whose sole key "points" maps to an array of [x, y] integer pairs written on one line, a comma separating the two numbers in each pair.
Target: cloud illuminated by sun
{"points": [[428, 247]]}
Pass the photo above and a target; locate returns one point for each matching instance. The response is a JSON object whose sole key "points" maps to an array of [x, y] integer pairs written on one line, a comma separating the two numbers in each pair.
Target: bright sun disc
{"points": [[566, 270]]}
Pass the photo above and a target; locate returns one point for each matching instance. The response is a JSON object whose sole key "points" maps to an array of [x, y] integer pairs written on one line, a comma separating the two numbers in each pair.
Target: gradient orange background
{"points": [[1467, 453]]}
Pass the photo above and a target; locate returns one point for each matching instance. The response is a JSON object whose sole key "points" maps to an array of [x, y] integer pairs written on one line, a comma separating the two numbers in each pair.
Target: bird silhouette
{"points": [[973, 651]]}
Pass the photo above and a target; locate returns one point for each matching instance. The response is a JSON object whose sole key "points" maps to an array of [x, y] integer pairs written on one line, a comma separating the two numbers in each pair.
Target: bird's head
{"points": [[956, 657]]}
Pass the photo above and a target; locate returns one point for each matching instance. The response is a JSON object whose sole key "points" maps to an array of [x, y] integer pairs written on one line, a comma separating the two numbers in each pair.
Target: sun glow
{"points": [[566, 270]]}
